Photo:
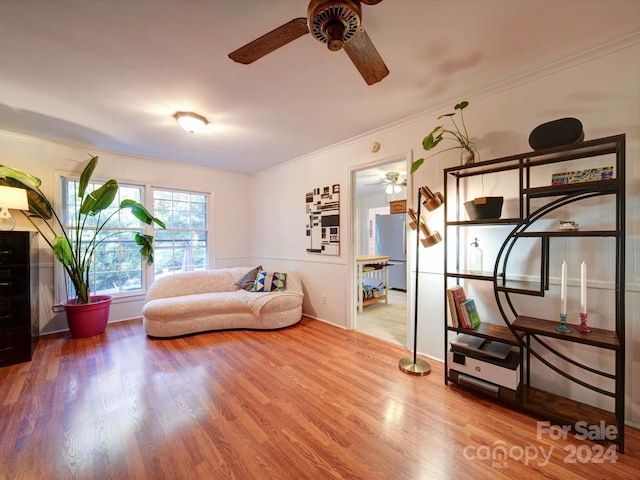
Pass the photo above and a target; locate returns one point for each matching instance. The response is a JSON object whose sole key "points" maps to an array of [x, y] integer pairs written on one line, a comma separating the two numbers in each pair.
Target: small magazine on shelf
{"points": [[470, 313]]}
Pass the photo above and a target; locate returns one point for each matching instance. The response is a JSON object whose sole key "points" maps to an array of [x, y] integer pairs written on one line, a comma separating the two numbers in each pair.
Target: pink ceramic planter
{"points": [[88, 319]]}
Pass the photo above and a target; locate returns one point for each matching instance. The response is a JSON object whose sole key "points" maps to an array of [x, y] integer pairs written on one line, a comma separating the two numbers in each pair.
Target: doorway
{"points": [[378, 233]]}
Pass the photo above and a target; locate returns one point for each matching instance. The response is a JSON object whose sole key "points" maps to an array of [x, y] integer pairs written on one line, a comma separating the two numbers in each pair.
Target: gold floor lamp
{"points": [[414, 365]]}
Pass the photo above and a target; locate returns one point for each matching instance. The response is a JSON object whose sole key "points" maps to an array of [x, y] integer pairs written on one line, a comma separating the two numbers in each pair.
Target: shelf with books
{"points": [[460, 307], [490, 331], [522, 267]]}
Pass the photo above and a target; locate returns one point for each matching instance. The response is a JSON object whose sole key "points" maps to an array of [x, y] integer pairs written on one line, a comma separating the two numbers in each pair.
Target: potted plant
{"points": [[86, 315], [459, 136]]}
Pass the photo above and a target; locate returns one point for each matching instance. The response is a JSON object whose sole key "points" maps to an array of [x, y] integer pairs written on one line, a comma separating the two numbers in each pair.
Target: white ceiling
{"points": [[110, 74]]}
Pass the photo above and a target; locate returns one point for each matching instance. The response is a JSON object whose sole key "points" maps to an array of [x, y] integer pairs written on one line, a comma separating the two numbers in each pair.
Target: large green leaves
{"points": [[433, 139], [416, 165], [141, 213], [146, 246], [62, 251], [99, 199], [85, 177], [22, 177]]}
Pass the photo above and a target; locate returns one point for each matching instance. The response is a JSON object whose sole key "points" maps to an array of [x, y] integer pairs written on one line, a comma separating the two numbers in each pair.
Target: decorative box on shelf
{"points": [[588, 175], [398, 206]]}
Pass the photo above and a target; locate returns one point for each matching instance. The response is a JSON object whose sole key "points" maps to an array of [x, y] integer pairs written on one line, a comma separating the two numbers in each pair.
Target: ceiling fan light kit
{"points": [[392, 188], [336, 23], [392, 183], [190, 122]]}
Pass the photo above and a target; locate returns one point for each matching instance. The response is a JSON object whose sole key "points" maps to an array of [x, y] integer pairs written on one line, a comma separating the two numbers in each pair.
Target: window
{"points": [[117, 266], [183, 245]]}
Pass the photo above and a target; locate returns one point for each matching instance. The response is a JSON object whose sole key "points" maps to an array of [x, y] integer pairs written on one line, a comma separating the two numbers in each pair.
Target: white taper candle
{"points": [[583, 287], [563, 289]]}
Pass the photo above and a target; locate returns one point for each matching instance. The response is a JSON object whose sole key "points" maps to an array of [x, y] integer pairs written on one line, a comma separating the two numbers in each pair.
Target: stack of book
{"points": [[463, 310]]}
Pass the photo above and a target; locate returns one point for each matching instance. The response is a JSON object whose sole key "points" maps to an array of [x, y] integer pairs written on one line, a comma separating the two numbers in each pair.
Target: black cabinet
{"points": [[19, 324]]}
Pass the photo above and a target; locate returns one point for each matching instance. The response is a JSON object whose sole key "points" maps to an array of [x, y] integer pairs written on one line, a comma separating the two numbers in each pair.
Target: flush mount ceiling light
{"points": [[190, 122]]}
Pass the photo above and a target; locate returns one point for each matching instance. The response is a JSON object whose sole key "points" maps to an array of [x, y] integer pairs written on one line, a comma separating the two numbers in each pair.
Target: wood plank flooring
{"points": [[307, 402], [387, 321]]}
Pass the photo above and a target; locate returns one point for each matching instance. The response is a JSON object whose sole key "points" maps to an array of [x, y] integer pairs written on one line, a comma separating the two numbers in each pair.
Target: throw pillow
{"points": [[249, 278], [270, 281]]}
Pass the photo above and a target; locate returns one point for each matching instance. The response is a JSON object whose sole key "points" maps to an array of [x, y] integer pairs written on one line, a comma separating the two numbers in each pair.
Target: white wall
{"points": [[601, 88], [230, 204], [364, 204]]}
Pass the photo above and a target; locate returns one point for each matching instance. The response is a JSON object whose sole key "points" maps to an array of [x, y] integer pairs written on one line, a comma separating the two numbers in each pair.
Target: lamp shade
{"points": [[431, 200], [11, 197], [190, 122]]}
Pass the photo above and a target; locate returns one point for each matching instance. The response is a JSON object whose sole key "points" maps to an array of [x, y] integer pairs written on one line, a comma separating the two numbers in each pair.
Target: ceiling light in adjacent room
{"points": [[191, 122], [392, 188]]}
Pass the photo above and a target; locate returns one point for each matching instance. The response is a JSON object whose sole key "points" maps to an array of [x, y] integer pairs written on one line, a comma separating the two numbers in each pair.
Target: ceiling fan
{"points": [[391, 185], [336, 23]]}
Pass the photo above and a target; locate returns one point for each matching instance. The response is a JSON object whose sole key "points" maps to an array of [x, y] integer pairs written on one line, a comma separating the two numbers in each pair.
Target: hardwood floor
{"points": [[386, 321], [307, 402]]}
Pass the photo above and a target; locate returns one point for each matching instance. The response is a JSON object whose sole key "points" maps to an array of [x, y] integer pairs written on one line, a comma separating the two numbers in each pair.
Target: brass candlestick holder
{"points": [[583, 327], [563, 324]]}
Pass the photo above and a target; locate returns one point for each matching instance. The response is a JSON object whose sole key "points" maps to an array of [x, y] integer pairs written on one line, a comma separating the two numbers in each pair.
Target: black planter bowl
{"points": [[484, 208]]}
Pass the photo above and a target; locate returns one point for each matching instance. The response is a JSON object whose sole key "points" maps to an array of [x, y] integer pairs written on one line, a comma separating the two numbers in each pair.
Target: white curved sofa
{"points": [[200, 301]]}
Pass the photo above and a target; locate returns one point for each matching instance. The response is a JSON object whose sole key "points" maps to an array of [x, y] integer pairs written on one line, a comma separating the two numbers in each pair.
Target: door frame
{"points": [[355, 238]]}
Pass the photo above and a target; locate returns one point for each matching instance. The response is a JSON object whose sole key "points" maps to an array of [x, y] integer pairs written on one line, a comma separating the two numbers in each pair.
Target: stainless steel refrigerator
{"points": [[391, 241]]}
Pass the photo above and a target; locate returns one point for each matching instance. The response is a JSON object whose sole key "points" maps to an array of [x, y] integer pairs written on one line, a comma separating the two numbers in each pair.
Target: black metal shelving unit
{"points": [[530, 334]]}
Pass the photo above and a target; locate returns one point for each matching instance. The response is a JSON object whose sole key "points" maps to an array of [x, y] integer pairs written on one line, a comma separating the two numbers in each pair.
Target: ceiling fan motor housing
{"points": [[334, 22]]}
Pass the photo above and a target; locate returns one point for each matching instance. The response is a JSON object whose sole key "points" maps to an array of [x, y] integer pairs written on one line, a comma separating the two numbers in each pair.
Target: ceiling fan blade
{"points": [[370, 2], [366, 58], [271, 41]]}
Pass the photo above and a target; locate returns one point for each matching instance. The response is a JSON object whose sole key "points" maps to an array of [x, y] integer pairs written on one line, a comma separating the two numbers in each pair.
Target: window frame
{"points": [[62, 178], [207, 223], [61, 282]]}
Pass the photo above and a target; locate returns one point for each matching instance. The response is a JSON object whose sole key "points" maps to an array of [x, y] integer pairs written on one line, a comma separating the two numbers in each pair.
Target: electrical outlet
{"points": [[324, 299]]}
